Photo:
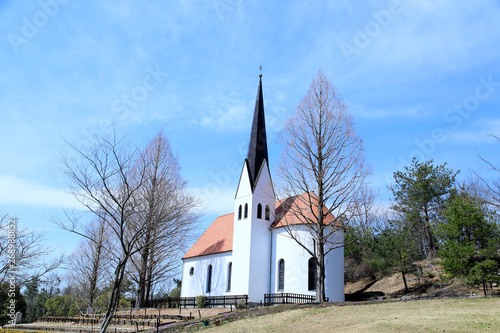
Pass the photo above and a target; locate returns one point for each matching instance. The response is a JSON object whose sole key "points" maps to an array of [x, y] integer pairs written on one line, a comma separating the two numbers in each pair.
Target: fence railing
{"points": [[287, 298], [185, 302]]}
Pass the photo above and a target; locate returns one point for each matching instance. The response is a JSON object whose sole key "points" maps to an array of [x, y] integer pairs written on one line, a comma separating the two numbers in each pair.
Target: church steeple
{"points": [[257, 149]]}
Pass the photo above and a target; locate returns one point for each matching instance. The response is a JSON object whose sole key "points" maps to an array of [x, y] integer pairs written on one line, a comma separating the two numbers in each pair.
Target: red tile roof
{"points": [[218, 237], [297, 210]]}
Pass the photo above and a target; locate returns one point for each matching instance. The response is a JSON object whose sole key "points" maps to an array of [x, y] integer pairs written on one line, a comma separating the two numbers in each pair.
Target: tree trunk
{"points": [[149, 279], [115, 294], [428, 234], [404, 281], [484, 288], [141, 288], [320, 272]]}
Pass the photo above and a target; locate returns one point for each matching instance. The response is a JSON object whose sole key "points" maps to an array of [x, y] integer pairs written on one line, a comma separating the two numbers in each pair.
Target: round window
{"points": [[191, 271]]}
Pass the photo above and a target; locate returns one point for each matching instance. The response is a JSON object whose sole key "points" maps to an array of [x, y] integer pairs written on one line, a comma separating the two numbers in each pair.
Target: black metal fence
{"points": [[185, 302], [287, 298]]}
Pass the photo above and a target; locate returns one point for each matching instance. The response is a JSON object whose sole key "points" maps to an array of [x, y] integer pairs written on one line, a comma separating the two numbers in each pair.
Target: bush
{"points": [[241, 305], [201, 301], [175, 293]]}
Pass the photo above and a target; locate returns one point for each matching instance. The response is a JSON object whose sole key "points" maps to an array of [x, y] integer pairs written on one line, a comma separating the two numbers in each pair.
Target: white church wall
{"points": [[296, 264], [196, 284], [241, 235], [260, 246], [334, 266]]}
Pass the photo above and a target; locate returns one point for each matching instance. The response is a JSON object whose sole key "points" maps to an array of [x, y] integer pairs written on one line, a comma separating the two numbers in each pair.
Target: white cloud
{"points": [[15, 190], [214, 199], [363, 111], [226, 113], [481, 131]]}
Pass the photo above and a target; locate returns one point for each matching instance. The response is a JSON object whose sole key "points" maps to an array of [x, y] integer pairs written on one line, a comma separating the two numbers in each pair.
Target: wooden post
{"points": [[199, 313]]}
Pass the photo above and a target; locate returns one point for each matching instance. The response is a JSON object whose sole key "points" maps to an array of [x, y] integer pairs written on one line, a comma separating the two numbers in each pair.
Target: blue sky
{"points": [[421, 78]]}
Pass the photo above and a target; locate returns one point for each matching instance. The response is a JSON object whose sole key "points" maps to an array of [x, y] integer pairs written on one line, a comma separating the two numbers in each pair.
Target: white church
{"points": [[249, 251]]}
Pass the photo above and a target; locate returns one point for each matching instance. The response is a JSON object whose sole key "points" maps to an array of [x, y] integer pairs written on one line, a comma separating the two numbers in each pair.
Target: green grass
{"points": [[439, 315]]}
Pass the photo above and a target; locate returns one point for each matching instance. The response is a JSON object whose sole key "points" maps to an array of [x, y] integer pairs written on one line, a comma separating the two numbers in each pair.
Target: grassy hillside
{"points": [[441, 315], [428, 282]]}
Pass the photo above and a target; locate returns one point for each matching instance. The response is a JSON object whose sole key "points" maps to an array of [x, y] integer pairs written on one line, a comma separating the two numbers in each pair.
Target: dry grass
{"points": [[443, 315]]}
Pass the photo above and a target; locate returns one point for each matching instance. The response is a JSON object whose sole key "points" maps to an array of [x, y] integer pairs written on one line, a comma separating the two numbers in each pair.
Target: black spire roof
{"points": [[257, 149]]}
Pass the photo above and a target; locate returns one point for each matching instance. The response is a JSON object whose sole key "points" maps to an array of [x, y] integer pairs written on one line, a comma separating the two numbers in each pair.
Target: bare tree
{"points": [[490, 190], [106, 179], [166, 218], [90, 263], [323, 168], [364, 214], [23, 251]]}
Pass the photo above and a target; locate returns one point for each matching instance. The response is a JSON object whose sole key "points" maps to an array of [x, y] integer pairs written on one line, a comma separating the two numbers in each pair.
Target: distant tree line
{"points": [[431, 216]]}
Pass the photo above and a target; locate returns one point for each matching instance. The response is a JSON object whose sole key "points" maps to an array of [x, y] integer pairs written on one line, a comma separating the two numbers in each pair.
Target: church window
{"points": [[229, 273], [259, 211], [191, 271], [281, 275], [209, 279], [246, 211], [313, 275], [267, 213], [239, 213]]}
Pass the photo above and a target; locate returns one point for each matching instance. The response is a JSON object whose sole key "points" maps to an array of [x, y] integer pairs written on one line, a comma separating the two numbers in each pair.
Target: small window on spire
{"points": [[246, 211], [239, 212], [259, 211], [267, 213]]}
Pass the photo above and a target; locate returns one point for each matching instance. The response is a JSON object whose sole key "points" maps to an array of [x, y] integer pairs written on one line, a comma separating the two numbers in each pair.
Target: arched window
{"points": [[246, 211], [281, 275], [312, 275], [229, 273], [259, 211], [267, 213], [209, 279], [239, 213]]}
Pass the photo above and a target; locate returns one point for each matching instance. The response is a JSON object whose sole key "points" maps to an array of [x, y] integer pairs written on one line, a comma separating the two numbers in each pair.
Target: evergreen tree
{"points": [[484, 272], [469, 235], [6, 297], [395, 250], [419, 194]]}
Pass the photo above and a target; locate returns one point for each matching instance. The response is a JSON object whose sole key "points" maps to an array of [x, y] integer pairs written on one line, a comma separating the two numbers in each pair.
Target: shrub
{"points": [[241, 305], [175, 293], [201, 301]]}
